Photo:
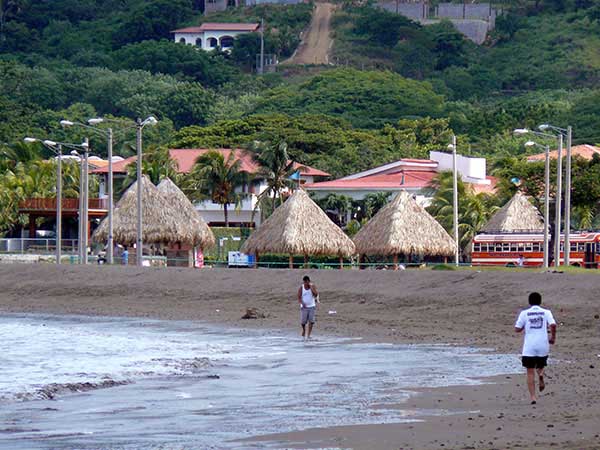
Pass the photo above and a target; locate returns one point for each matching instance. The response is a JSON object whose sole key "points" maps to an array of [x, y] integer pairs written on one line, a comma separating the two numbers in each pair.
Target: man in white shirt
{"points": [[535, 321], [308, 297]]}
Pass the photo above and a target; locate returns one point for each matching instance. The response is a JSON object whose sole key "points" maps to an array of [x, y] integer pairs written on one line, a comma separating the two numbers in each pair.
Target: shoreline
{"points": [[467, 309]]}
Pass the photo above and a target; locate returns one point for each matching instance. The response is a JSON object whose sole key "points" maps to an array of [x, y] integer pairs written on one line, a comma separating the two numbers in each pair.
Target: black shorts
{"points": [[534, 362]]}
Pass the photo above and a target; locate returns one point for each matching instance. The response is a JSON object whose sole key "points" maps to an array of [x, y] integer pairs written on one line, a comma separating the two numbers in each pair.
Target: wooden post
{"points": [[395, 261], [256, 261], [360, 261], [291, 265], [341, 262], [445, 260]]}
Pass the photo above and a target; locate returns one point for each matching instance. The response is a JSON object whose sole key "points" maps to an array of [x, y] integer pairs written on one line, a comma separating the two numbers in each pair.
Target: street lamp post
{"points": [[139, 125], [567, 245], [455, 200], [56, 147], [546, 196], [558, 219], [86, 202], [109, 146]]}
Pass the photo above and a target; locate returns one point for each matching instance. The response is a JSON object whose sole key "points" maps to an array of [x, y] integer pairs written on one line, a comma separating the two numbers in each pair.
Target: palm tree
{"points": [[217, 177], [340, 204], [20, 152], [374, 202], [275, 168], [474, 210]]}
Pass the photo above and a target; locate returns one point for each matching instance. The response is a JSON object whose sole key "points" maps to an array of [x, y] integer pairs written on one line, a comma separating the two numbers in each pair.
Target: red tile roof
{"points": [[584, 151], [186, 157], [398, 180], [212, 26]]}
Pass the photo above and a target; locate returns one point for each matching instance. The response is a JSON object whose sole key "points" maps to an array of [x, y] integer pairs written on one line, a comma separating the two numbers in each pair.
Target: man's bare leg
{"points": [[304, 330], [310, 327], [540, 373], [531, 384]]}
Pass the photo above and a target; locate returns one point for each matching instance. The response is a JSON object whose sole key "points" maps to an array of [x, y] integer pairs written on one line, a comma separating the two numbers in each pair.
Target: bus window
{"points": [[581, 247], [498, 247], [476, 247], [513, 247], [506, 247], [573, 246], [528, 247], [536, 247]]}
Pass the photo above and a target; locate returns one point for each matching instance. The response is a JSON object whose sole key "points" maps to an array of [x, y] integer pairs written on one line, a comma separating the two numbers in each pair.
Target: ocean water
{"points": [[88, 383]]}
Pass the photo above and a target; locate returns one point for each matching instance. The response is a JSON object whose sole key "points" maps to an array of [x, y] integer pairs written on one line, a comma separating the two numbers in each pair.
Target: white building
{"points": [[209, 36], [412, 175]]}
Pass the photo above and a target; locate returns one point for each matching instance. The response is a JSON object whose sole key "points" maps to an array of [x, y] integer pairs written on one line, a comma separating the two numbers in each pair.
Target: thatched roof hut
{"points": [[517, 215], [191, 228], [403, 227], [158, 219], [299, 227]]}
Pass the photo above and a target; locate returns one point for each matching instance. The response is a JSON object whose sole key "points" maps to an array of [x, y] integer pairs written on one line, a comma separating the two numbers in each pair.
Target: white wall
{"points": [[471, 170], [190, 38]]}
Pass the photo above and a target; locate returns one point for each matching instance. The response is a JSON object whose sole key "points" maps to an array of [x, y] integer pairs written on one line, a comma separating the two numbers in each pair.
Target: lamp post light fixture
{"points": [[454, 199], [109, 135], [546, 196], [140, 124], [56, 148], [568, 133]]}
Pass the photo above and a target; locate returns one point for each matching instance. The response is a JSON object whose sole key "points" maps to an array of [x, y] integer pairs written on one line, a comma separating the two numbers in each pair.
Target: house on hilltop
{"points": [[209, 36]]}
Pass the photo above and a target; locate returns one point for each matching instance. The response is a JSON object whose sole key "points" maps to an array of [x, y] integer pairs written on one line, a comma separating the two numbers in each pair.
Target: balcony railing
{"points": [[68, 204]]}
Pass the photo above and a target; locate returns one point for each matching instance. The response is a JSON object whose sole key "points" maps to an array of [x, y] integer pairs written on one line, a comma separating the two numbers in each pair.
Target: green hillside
{"points": [[402, 91]]}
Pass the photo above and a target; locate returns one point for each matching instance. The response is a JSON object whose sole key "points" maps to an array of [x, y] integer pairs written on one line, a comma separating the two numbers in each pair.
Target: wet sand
{"points": [[463, 307]]}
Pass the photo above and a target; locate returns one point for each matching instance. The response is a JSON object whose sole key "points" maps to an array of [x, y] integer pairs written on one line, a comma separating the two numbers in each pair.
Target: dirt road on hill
{"points": [[316, 42]]}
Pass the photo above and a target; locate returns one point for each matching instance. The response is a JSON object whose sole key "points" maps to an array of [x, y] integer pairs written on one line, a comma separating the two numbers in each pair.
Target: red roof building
{"points": [[584, 151], [210, 35], [412, 175]]}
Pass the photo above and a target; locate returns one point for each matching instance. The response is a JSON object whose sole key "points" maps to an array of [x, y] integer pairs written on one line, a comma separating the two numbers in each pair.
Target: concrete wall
{"points": [[414, 11], [279, 2], [470, 169], [205, 38]]}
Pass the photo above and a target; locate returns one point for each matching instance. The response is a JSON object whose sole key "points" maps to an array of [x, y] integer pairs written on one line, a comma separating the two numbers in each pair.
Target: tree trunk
{"points": [[395, 261], [226, 215], [256, 257], [291, 262], [341, 262]]}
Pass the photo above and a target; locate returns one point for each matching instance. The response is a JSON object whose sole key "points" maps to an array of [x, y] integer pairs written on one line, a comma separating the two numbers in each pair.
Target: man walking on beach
{"points": [[308, 298], [535, 321]]}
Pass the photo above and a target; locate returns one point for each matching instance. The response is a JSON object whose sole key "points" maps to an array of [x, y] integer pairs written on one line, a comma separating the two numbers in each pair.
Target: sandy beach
{"points": [[466, 308]]}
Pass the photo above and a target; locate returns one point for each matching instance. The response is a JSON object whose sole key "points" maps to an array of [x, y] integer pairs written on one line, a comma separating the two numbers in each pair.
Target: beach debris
{"points": [[213, 377], [253, 313], [217, 310], [332, 312]]}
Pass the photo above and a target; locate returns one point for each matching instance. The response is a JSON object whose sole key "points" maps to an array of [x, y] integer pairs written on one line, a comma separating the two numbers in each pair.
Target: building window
{"points": [[212, 42], [226, 42], [198, 42], [182, 40]]}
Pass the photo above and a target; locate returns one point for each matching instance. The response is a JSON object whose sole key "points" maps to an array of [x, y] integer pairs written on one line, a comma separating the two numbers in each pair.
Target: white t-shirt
{"points": [[308, 299], [535, 320]]}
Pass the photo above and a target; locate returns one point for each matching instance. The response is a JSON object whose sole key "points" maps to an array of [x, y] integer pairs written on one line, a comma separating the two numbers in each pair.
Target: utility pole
{"points": [[558, 202], [139, 243], [59, 204], [455, 200], [567, 245], [546, 205], [86, 191], [81, 200], [111, 244]]}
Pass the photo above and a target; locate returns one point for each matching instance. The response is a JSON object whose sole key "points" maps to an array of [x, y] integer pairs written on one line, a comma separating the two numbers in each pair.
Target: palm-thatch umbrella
{"points": [[517, 215], [192, 229], [403, 227], [158, 219], [299, 227]]}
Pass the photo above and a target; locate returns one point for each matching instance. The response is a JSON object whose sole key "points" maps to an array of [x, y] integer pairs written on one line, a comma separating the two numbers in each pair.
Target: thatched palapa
{"points": [[158, 220], [299, 227], [518, 215], [191, 228], [403, 227]]}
